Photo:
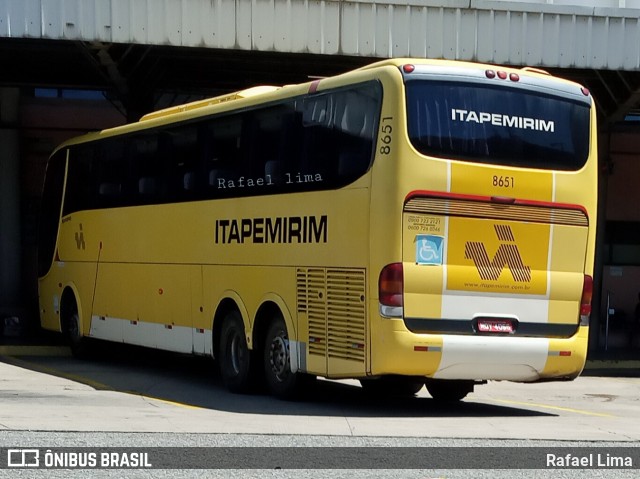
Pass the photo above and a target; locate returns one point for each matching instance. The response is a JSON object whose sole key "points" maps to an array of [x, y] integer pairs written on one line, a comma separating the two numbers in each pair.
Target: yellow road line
{"points": [[555, 408], [172, 403]]}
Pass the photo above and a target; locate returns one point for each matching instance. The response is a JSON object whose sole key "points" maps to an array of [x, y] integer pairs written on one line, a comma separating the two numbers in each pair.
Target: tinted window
{"points": [[497, 125], [50, 211], [318, 142]]}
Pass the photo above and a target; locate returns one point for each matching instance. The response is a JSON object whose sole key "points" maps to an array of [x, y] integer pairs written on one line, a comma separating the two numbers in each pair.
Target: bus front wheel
{"points": [[73, 331], [281, 381], [236, 365], [448, 390]]}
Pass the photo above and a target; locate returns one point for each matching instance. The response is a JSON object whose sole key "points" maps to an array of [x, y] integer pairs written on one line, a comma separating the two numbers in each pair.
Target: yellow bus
{"points": [[411, 222]]}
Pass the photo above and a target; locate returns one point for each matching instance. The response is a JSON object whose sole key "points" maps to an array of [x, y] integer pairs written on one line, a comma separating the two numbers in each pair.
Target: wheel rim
{"points": [[236, 354], [74, 328], [279, 357]]}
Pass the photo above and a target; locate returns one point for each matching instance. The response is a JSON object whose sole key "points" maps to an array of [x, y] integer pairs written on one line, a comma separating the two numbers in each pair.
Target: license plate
{"points": [[501, 326]]}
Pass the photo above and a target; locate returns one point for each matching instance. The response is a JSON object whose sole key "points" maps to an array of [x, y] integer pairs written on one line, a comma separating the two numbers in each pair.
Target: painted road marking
{"points": [[555, 408]]}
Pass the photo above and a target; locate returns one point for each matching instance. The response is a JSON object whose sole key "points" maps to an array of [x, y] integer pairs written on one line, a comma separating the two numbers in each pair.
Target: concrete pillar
{"points": [[10, 250]]}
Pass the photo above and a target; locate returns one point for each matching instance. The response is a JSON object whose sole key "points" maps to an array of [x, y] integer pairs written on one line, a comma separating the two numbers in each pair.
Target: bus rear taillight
{"points": [[585, 302], [390, 287]]}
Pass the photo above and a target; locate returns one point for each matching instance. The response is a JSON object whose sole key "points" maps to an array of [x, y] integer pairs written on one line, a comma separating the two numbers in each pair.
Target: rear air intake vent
{"points": [[334, 302]]}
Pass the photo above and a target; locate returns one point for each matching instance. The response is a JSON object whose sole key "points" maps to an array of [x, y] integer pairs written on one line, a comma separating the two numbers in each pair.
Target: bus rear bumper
{"points": [[479, 357]]}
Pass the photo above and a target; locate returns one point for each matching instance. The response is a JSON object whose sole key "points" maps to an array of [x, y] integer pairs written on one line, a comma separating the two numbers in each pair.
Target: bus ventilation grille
{"points": [[333, 301], [478, 209]]}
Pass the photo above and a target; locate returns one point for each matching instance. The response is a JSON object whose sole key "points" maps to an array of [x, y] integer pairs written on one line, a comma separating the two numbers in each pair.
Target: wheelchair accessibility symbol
{"points": [[429, 249]]}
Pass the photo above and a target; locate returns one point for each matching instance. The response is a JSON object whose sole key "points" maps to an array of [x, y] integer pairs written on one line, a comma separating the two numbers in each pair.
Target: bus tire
{"points": [[281, 381], [448, 390], [73, 332], [401, 386], [236, 361]]}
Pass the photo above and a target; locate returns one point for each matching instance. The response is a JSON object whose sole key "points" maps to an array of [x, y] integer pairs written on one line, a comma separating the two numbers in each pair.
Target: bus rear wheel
{"points": [[448, 390], [281, 381], [236, 361]]}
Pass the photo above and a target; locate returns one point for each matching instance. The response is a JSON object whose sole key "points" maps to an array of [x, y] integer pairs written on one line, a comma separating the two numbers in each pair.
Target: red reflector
{"points": [[506, 200], [391, 284], [585, 91], [314, 86], [502, 75], [421, 348], [408, 68], [514, 77], [587, 294], [490, 74], [565, 353]]}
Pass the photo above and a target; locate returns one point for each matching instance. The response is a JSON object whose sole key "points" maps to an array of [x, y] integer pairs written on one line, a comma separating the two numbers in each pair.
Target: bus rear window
{"points": [[504, 126]]}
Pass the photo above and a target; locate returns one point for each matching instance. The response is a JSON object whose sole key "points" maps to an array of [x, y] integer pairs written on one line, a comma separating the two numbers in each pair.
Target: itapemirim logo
{"points": [[507, 256]]}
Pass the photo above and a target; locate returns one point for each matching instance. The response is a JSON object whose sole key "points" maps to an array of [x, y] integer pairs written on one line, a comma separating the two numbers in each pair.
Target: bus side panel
{"points": [[79, 250], [79, 277], [145, 304], [50, 292], [248, 285], [318, 269]]}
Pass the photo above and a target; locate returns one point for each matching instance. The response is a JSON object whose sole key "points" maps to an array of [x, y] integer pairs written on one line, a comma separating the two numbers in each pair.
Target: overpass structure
{"points": [[203, 45], [150, 54]]}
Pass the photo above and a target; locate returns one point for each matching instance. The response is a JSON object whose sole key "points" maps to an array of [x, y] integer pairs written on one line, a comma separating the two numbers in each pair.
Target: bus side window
{"points": [[290, 141], [319, 150], [355, 140], [50, 211], [182, 155], [339, 129], [147, 159], [269, 157], [223, 160], [112, 174], [81, 188], [110, 190]]}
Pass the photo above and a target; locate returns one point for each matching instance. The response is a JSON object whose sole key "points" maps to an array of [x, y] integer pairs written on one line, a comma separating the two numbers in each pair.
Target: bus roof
{"points": [[165, 115], [249, 92]]}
